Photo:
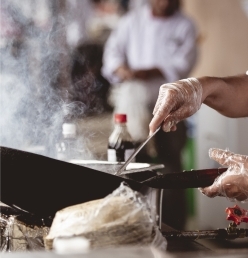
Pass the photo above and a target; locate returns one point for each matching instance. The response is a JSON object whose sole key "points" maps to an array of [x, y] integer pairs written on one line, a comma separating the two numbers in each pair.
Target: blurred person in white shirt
{"points": [[152, 45]]}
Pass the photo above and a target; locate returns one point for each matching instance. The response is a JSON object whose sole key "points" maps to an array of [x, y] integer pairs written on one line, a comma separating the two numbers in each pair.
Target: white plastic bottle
{"points": [[67, 147]]}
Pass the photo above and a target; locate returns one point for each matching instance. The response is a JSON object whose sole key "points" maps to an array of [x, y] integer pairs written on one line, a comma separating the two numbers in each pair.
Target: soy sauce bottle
{"points": [[120, 144]]}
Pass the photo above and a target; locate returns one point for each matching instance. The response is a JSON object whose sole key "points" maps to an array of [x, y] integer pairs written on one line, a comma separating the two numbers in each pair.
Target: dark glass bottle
{"points": [[120, 144]]}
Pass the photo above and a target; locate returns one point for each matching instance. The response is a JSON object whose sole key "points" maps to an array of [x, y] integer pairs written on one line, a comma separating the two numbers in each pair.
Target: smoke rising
{"points": [[37, 93]]}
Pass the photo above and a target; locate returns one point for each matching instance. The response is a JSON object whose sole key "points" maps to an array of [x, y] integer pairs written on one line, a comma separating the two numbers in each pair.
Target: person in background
{"points": [[228, 96], [77, 15], [155, 41], [151, 45]]}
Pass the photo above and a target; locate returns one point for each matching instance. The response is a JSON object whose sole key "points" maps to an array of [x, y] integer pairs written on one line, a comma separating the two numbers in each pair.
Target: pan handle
{"points": [[186, 179]]}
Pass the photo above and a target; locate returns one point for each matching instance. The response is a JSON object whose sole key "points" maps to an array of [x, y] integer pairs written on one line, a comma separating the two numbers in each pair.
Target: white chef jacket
{"points": [[143, 41]]}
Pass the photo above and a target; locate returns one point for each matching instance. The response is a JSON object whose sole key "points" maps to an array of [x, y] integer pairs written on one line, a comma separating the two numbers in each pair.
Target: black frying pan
{"points": [[43, 185]]}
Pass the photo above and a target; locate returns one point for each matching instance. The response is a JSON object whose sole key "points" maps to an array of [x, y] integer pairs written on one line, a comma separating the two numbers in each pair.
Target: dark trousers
{"points": [[169, 147]]}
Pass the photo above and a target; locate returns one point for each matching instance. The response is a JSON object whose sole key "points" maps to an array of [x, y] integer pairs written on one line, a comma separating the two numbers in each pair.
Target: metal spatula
{"points": [[122, 168]]}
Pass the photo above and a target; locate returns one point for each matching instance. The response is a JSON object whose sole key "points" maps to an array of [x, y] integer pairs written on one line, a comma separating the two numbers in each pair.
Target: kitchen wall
{"points": [[223, 51]]}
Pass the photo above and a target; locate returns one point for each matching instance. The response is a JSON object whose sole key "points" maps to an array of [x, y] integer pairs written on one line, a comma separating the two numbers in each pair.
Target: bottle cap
{"points": [[120, 118], [69, 129]]}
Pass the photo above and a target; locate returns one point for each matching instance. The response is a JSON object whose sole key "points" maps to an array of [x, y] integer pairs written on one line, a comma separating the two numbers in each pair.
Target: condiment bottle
{"points": [[120, 144]]}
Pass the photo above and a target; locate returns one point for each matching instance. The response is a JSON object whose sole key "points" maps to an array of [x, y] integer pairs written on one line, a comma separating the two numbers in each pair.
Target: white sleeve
{"points": [[115, 50], [181, 63]]}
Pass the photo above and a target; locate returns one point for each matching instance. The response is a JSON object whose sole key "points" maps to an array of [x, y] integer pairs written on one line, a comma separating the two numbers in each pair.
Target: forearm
{"points": [[148, 74], [114, 55], [227, 95]]}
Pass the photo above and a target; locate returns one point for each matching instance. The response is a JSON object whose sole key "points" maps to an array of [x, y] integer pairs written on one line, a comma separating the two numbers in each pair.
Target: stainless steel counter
{"points": [[137, 253]]}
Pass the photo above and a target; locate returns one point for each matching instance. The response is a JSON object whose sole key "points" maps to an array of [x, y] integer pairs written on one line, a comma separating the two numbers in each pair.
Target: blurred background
{"points": [[223, 38], [52, 55]]}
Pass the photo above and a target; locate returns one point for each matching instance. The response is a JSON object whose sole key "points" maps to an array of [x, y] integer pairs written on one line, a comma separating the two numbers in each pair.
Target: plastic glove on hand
{"points": [[232, 184], [176, 101]]}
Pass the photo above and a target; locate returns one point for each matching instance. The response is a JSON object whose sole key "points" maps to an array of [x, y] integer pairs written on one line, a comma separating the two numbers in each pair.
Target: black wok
{"points": [[42, 185]]}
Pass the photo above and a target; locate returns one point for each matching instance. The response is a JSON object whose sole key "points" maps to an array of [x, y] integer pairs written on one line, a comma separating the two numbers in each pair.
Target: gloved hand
{"points": [[232, 184], [176, 101]]}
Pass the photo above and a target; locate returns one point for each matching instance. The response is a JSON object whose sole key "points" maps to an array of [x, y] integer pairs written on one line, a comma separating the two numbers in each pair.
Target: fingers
{"points": [[211, 191], [154, 124], [173, 128], [227, 158], [232, 194], [233, 187], [167, 126], [169, 123], [168, 99], [161, 111]]}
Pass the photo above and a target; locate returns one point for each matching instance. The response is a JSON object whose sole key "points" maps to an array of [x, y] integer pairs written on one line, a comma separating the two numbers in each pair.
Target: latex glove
{"points": [[176, 101], [232, 184]]}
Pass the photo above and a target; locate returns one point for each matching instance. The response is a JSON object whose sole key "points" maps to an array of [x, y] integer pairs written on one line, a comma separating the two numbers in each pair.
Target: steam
{"points": [[37, 93]]}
